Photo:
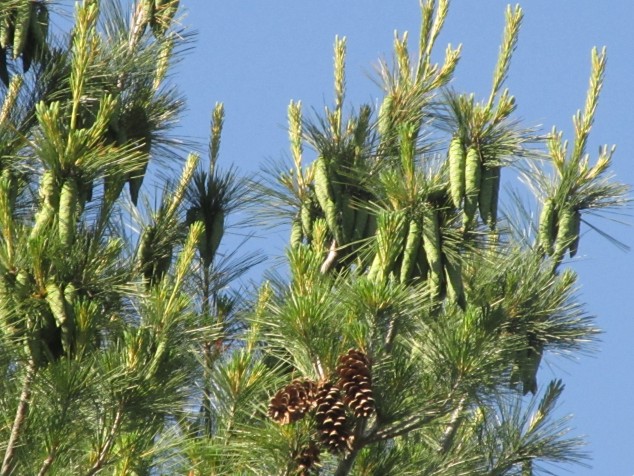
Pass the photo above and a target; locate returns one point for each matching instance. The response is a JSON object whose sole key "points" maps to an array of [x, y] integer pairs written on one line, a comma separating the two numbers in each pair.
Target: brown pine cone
{"points": [[335, 428], [308, 459], [293, 401], [355, 380]]}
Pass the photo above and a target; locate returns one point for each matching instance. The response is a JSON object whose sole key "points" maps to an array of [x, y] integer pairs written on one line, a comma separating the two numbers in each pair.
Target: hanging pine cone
{"points": [[308, 459], [335, 428], [356, 381], [293, 401]]}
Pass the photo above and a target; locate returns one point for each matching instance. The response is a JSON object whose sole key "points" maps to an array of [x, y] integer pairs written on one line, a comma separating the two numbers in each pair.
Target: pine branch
{"points": [[107, 446], [410, 424], [331, 259], [345, 465], [20, 418], [416, 422], [390, 334], [207, 357], [452, 427], [46, 465]]}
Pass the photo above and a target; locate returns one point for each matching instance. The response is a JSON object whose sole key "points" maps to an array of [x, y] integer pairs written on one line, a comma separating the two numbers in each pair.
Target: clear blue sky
{"points": [[256, 56]]}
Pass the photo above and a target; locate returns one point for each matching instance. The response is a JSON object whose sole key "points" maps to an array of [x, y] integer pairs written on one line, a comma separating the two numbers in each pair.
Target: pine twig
{"points": [[207, 358], [410, 424], [46, 465], [105, 449], [417, 421], [205, 407], [330, 259], [345, 465], [20, 418], [452, 427], [391, 335]]}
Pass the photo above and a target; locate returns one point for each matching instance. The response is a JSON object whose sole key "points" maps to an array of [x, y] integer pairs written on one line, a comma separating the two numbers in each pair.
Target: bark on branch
{"points": [[20, 418], [452, 427]]}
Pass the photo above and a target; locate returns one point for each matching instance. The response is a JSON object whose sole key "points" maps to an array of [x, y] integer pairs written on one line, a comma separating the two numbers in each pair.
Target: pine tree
{"points": [[404, 336], [101, 332], [400, 258]]}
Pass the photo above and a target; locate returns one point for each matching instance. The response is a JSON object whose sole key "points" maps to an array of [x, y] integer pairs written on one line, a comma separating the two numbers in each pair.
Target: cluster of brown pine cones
{"points": [[336, 405]]}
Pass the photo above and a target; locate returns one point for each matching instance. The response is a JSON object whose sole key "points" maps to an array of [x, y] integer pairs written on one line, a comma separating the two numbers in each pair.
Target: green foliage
{"points": [[408, 294]]}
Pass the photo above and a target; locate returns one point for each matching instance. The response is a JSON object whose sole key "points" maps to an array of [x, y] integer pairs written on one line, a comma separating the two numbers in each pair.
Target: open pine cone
{"points": [[355, 380], [308, 459], [335, 428], [293, 401]]}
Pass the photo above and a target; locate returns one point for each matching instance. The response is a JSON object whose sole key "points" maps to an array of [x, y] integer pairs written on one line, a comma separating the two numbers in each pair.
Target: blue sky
{"points": [[256, 56]]}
